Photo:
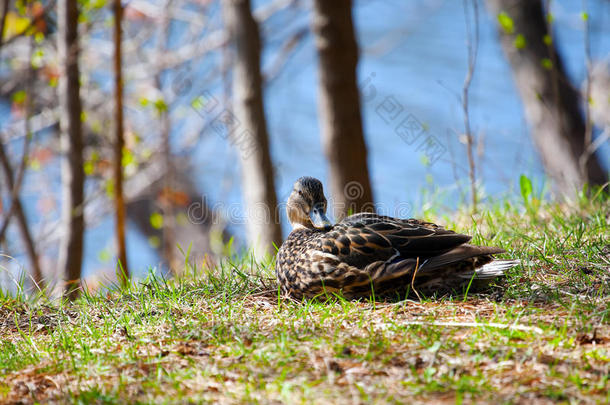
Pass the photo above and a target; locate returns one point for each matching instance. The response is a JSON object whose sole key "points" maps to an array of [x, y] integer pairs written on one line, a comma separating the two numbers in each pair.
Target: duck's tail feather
{"points": [[495, 268]]}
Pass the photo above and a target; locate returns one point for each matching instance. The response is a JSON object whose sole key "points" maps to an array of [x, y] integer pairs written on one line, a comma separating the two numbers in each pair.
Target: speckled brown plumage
{"points": [[369, 251]]}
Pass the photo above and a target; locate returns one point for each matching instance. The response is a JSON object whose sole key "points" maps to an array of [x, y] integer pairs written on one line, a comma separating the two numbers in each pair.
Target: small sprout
{"points": [[88, 167], [34, 164], [547, 63], [160, 106], [19, 97], [128, 158], [109, 188], [506, 22], [520, 42], [156, 220], [548, 40]]}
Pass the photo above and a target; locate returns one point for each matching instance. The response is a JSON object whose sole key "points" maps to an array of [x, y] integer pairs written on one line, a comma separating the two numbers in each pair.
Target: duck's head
{"points": [[306, 205]]}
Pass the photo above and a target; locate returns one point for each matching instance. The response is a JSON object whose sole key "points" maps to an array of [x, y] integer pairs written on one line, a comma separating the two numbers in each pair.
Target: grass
{"points": [[224, 334]]}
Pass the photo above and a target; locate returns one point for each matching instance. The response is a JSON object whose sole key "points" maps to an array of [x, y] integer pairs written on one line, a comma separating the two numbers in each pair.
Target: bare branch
{"points": [[588, 147], [473, 46], [14, 183]]}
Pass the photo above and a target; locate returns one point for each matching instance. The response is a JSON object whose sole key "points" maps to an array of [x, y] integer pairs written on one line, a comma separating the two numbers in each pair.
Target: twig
{"points": [[472, 59], [17, 208], [167, 204], [587, 149], [284, 54], [14, 182], [413, 279]]}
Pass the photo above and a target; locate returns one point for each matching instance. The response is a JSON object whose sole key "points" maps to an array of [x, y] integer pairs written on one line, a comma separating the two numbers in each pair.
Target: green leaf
{"points": [[109, 186], [88, 167], [548, 40], [156, 220], [127, 158], [37, 58], [547, 63], [526, 188], [34, 164], [19, 97], [520, 41], [584, 15], [506, 22], [160, 106], [198, 102]]}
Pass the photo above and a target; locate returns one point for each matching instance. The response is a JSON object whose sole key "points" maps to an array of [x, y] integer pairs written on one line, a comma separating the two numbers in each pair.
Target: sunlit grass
{"points": [[223, 334]]}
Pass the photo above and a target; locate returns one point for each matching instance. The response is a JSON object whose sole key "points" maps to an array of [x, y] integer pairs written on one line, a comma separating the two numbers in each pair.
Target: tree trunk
{"points": [[22, 222], [14, 182], [71, 142], [122, 268], [551, 102], [339, 106], [249, 131]]}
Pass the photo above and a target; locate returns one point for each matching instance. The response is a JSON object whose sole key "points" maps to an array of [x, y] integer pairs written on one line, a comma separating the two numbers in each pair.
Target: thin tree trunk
{"points": [[167, 205], [473, 49], [122, 269], [339, 106], [249, 133], [551, 102], [71, 142], [14, 182], [17, 210]]}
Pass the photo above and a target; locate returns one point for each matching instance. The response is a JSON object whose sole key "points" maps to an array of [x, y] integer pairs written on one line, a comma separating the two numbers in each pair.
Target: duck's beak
{"points": [[319, 219]]}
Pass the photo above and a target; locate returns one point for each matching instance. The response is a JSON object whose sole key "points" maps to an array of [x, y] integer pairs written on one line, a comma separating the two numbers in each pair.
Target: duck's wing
{"points": [[410, 237], [357, 245], [362, 239]]}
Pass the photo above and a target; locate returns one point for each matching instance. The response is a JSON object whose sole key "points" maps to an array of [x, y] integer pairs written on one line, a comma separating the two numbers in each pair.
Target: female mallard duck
{"points": [[368, 252]]}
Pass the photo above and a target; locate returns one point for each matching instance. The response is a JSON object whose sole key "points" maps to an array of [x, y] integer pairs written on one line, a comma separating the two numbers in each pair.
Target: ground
{"points": [[225, 335]]}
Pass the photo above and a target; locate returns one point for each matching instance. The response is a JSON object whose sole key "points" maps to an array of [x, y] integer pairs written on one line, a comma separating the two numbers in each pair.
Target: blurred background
{"points": [[403, 105]]}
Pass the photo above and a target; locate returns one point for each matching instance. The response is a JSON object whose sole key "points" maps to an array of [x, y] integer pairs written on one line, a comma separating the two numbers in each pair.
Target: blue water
{"points": [[414, 54]]}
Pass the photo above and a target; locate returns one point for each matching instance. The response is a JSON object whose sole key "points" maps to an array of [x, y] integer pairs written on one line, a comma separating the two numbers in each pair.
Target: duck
{"points": [[367, 254]]}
